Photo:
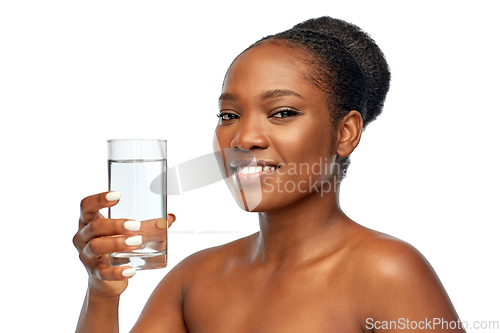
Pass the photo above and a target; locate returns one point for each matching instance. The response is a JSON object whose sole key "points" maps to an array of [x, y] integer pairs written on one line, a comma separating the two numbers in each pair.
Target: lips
{"points": [[248, 162], [252, 171]]}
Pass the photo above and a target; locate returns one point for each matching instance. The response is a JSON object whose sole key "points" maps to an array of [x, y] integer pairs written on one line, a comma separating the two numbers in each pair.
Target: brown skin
{"points": [[98, 236], [310, 268]]}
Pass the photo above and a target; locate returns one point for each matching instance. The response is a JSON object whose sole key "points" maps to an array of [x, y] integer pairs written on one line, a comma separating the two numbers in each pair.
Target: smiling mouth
{"points": [[253, 171], [250, 170]]}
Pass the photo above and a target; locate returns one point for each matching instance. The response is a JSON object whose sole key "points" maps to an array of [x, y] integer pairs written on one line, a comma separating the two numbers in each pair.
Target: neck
{"points": [[300, 232]]}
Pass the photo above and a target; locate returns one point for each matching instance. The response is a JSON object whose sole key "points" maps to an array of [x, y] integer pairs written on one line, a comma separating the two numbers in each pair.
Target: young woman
{"points": [[292, 109]]}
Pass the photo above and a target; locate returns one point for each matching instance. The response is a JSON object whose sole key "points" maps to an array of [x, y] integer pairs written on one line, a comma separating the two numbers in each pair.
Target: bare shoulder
{"points": [[164, 309], [202, 266], [387, 257], [212, 259], [398, 281], [387, 260]]}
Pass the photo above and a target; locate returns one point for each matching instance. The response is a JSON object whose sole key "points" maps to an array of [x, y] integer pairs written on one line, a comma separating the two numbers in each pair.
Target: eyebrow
{"points": [[267, 95], [278, 93], [228, 97]]}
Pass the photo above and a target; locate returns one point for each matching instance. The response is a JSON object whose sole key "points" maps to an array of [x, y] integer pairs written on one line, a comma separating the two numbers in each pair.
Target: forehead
{"points": [[269, 66]]}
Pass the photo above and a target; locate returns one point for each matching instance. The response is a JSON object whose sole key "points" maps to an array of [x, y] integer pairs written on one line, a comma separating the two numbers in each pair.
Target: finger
{"points": [[171, 219], [108, 273], [150, 230], [90, 206], [154, 230], [99, 246], [108, 227], [103, 227], [156, 226]]}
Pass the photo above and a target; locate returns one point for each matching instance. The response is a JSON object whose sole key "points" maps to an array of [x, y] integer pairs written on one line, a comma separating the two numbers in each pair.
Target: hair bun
{"points": [[366, 53]]}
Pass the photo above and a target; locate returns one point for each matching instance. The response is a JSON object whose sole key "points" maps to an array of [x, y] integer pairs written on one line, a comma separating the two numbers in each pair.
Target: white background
{"points": [[75, 73]]}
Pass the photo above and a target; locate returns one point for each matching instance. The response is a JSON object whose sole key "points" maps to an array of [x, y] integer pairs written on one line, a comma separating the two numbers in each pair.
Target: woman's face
{"points": [[272, 117]]}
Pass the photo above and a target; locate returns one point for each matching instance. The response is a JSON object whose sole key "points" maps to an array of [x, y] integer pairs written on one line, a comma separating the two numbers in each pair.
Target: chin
{"points": [[248, 198], [256, 200]]}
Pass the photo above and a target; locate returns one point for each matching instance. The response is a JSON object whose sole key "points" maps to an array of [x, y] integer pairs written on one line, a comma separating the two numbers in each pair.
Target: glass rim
{"points": [[155, 140]]}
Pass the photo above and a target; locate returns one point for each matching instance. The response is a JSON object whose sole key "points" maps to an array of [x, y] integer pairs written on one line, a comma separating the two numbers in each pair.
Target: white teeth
{"points": [[254, 169]]}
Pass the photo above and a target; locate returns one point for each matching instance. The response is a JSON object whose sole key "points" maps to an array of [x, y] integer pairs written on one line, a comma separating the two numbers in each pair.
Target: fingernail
{"points": [[161, 223], [132, 225], [129, 272], [113, 196], [134, 240]]}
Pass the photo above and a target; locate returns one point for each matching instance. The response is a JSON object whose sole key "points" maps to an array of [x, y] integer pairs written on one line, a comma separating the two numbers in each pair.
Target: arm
{"points": [[95, 239], [405, 293], [99, 314], [167, 310], [162, 313], [164, 310]]}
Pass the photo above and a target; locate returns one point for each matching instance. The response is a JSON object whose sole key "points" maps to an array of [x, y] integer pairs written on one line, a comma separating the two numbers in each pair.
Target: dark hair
{"points": [[346, 63]]}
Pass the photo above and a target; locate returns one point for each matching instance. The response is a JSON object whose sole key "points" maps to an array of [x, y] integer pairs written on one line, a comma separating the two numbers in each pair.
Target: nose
{"points": [[250, 135]]}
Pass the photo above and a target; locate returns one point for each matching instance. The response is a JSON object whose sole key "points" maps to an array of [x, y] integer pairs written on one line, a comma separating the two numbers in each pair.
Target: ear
{"points": [[349, 133]]}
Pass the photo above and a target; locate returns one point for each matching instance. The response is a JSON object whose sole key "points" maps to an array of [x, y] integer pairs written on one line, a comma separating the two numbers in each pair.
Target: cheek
{"points": [[215, 142], [308, 143], [223, 136], [220, 147]]}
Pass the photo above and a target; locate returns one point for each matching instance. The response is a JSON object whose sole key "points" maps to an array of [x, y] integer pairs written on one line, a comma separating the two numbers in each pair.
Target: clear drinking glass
{"points": [[132, 167]]}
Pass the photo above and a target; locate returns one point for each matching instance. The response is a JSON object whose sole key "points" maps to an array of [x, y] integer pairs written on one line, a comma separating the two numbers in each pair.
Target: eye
{"points": [[227, 116], [287, 113]]}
